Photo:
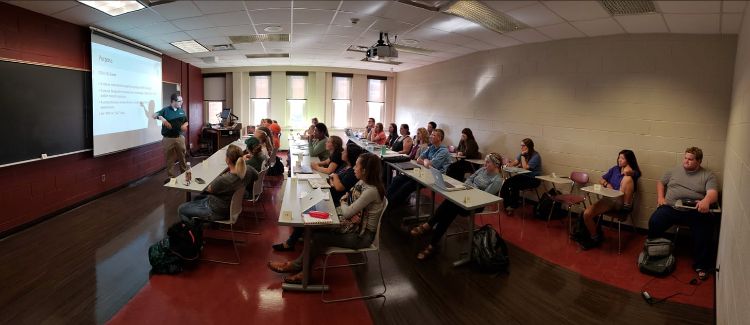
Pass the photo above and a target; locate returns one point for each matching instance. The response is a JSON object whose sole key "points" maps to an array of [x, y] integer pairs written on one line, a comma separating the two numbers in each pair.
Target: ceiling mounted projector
{"points": [[383, 50]]}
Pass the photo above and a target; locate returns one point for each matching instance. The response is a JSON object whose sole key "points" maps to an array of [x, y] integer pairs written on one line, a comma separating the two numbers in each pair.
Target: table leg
{"points": [[467, 259], [305, 286]]}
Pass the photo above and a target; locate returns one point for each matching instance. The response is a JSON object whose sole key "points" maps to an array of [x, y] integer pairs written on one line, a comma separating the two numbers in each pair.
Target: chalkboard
{"points": [[44, 110]]}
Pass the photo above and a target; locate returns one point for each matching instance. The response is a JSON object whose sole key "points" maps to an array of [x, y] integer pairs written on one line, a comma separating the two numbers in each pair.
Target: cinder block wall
{"points": [[733, 279], [583, 100]]}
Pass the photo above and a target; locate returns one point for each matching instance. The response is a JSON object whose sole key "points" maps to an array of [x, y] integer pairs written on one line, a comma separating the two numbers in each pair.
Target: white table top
{"points": [[208, 170], [555, 180], [476, 161], [290, 214], [604, 191], [515, 170]]}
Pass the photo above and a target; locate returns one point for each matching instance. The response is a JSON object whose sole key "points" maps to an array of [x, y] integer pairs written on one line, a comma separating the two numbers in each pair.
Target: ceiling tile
{"points": [[344, 19], [205, 33], [528, 35], [365, 8], [505, 41], [345, 31], [159, 28], [177, 10], [175, 37], [733, 6], [285, 28], [45, 7], [315, 29], [693, 24], [214, 40], [241, 30], [577, 10], [535, 16], [479, 46], [505, 6], [193, 23], [689, 7], [271, 16], [252, 5], [730, 23], [329, 5], [406, 13], [229, 19], [392, 27], [598, 27], [447, 23], [81, 15], [560, 31], [215, 7], [312, 16], [635, 24]]}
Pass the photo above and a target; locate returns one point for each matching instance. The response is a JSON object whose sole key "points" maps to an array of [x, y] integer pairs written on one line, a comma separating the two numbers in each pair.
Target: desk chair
{"points": [[257, 191], [620, 217], [375, 246], [235, 208], [580, 180]]}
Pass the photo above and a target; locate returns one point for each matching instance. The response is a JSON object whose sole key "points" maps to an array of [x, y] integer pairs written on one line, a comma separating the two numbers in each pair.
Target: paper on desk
{"points": [[307, 176], [313, 221], [309, 200]]}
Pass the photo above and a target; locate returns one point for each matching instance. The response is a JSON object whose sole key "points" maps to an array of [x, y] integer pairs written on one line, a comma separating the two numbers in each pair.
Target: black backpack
{"points": [[547, 204], [183, 243], [277, 169], [489, 251], [656, 257]]}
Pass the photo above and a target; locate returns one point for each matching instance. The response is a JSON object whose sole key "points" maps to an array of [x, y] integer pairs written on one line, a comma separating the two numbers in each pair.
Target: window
{"points": [[214, 110], [296, 99], [375, 97], [342, 90], [260, 97]]}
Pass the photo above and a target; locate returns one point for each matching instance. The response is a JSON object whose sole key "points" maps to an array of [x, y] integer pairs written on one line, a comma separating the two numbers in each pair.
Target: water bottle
{"points": [[382, 151], [188, 174]]}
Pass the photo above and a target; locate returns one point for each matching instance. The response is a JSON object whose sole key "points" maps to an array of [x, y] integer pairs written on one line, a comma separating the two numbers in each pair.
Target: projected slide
{"points": [[126, 92]]}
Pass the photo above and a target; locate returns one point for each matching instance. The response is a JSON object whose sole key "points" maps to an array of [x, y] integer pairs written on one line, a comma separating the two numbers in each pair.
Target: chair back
{"points": [[235, 207], [258, 184], [376, 241], [580, 178]]}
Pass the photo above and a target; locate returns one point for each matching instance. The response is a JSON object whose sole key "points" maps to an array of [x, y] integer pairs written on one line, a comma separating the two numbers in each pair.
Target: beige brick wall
{"points": [[733, 280], [583, 100]]}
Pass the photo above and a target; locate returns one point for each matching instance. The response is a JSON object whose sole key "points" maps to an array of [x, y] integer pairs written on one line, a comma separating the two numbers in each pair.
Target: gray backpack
{"points": [[656, 257]]}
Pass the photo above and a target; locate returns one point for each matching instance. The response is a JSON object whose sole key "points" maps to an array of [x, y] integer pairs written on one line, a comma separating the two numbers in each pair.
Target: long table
{"points": [[207, 170]]}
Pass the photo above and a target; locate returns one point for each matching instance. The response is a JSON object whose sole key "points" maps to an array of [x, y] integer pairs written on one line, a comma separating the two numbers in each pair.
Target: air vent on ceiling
{"points": [[268, 55], [223, 47], [153, 3], [210, 59], [391, 62], [628, 7], [260, 38]]}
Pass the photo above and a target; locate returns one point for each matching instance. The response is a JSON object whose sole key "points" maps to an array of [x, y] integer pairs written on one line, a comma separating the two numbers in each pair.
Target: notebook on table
{"points": [[318, 183], [407, 165], [310, 220], [440, 182]]}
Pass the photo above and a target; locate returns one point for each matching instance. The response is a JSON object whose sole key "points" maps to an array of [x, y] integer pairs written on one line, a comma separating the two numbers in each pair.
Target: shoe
{"points": [[294, 279], [701, 274], [283, 267], [426, 253], [420, 230], [283, 247]]}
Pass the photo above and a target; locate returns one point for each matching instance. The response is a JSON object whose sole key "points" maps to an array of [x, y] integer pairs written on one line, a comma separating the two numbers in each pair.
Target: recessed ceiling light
{"points": [[190, 46], [114, 8], [273, 29], [409, 41]]}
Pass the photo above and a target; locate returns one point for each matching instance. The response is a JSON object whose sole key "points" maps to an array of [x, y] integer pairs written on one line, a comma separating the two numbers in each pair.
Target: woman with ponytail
{"points": [[214, 203]]}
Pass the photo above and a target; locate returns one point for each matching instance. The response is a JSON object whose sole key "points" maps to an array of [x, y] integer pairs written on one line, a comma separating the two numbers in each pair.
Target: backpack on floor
{"points": [[489, 251], [277, 169], [656, 257], [547, 204], [183, 244]]}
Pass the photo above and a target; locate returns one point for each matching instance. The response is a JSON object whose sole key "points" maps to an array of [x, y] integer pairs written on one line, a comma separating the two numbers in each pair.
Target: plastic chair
{"points": [[620, 217], [235, 208], [579, 179], [375, 246], [258, 190]]}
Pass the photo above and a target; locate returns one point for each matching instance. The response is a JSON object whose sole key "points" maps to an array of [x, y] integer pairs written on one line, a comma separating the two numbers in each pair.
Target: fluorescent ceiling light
{"points": [[190, 46], [114, 8], [481, 14]]}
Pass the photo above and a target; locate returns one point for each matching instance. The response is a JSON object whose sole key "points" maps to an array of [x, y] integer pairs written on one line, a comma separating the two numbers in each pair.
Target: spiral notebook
{"points": [[309, 220]]}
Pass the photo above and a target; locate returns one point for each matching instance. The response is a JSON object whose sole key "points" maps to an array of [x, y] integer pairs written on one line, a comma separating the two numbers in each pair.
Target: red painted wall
{"points": [[37, 189]]}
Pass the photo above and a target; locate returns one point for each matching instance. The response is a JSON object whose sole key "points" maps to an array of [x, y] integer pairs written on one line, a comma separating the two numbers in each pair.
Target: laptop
{"points": [[441, 184], [304, 169], [407, 165]]}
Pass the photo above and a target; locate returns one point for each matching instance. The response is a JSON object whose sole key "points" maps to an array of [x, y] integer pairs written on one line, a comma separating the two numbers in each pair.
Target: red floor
{"points": [[604, 264], [247, 293]]}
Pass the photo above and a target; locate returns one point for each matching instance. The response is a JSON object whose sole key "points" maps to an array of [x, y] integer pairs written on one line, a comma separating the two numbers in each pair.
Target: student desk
{"points": [[208, 170]]}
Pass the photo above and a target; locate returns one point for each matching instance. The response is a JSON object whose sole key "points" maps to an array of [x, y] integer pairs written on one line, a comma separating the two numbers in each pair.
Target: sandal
{"points": [[294, 279], [283, 247], [701, 274], [283, 267], [426, 253], [420, 230]]}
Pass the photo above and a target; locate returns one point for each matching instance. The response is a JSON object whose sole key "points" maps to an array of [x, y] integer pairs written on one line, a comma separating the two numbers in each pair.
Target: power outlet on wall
{"points": [[104, 178]]}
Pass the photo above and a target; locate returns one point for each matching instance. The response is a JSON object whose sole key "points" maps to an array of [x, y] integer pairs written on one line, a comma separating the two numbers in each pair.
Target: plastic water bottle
{"points": [[188, 174], [382, 151]]}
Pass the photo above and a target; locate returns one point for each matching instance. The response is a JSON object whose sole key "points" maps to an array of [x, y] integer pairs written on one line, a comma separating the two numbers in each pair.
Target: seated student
{"points": [[275, 133], [528, 159], [487, 178], [318, 142], [378, 135], [467, 148], [368, 129], [621, 177], [403, 143], [214, 204], [421, 143], [689, 181], [269, 151], [341, 182], [359, 212], [254, 154], [309, 132], [436, 156], [392, 134], [334, 145]]}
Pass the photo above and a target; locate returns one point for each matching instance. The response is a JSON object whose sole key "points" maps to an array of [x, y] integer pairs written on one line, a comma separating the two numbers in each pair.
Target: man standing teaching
{"points": [[173, 128]]}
